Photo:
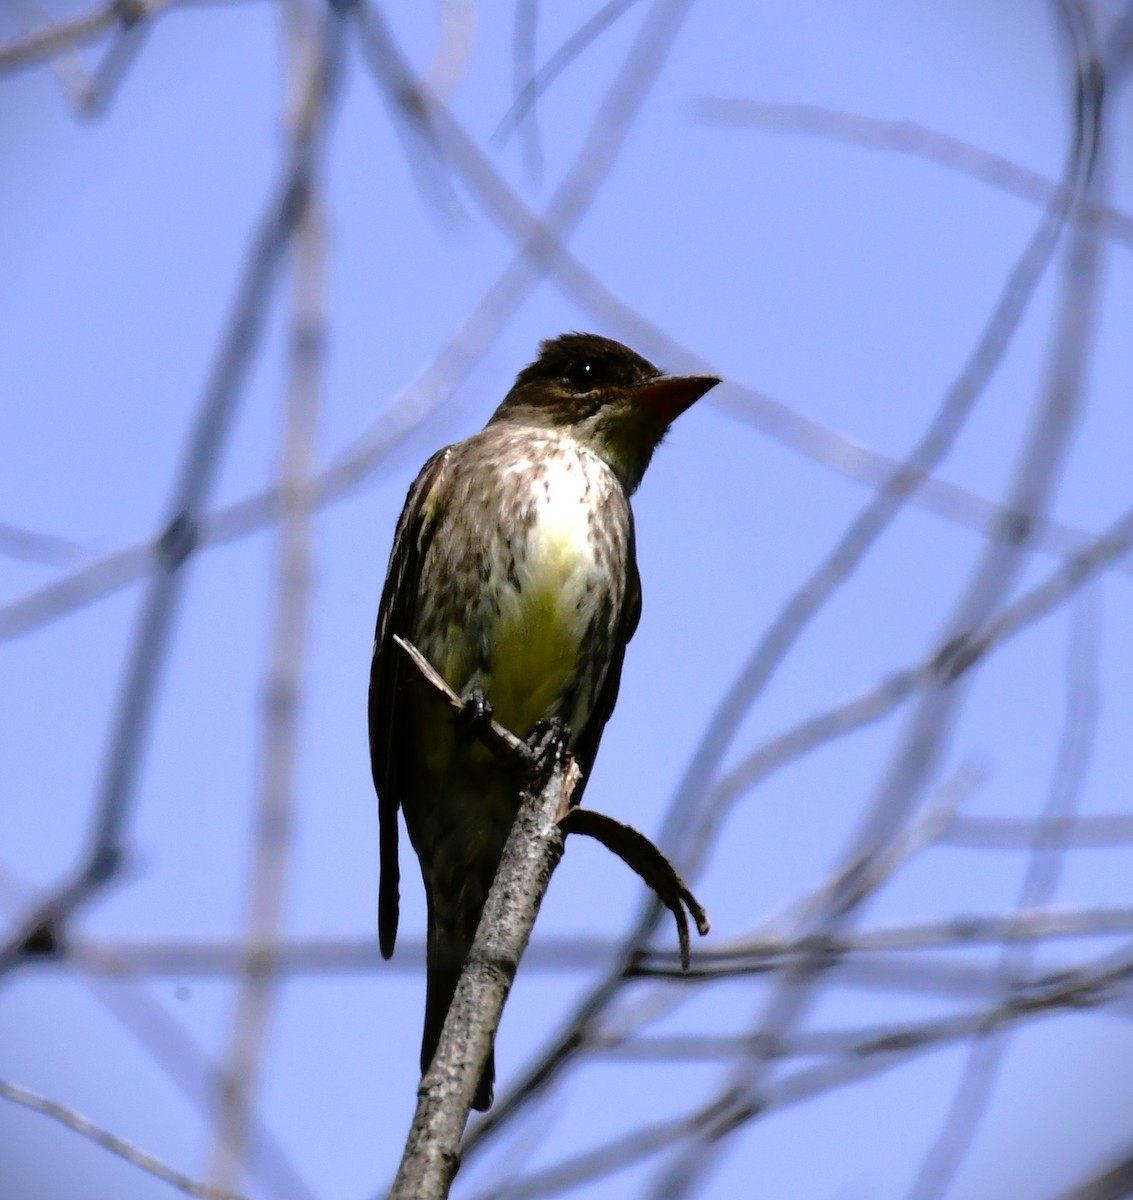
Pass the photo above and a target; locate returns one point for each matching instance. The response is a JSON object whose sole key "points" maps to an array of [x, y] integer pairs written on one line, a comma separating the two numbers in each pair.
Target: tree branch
{"points": [[533, 850]]}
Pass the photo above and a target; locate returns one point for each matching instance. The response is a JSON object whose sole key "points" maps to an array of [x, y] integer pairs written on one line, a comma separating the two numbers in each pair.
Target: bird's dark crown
{"points": [[585, 362]]}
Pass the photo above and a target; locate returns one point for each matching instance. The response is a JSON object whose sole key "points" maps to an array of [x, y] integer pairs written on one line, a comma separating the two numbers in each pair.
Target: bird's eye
{"points": [[582, 376]]}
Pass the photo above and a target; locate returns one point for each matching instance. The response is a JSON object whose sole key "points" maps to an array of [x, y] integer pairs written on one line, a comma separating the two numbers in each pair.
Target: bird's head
{"points": [[612, 400]]}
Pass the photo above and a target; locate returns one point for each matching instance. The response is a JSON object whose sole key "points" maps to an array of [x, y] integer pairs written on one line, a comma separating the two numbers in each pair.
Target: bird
{"points": [[514, 572]]}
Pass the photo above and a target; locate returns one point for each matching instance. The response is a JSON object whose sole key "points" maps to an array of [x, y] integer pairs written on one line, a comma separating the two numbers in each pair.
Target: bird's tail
{"points": [[443, 975]]}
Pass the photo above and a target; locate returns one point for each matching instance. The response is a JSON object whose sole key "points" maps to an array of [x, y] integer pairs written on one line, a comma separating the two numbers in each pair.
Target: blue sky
{"points": [[848, 283]]}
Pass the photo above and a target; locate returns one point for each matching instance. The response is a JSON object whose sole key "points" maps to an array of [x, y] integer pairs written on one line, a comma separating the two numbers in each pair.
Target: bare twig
{"points": [[501, 741], [532, 852], [125, 46], [109, 1141], [54, 40], [414, 108], [639, 853]]}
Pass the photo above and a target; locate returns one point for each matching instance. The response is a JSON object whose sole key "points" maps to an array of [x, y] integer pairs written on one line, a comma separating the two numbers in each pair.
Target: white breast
{"points": [[559, 555]]}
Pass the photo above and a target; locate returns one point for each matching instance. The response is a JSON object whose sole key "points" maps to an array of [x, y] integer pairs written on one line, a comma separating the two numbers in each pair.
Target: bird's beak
{"points": [[670, 395]]}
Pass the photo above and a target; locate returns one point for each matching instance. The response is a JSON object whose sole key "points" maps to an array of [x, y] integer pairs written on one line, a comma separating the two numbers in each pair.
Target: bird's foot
{"points": [[474, 717], [548, 746]]}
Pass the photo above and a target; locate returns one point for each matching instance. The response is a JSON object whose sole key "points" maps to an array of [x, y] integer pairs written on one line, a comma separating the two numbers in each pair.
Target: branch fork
{"points": [[630, 845], [547, 813]]}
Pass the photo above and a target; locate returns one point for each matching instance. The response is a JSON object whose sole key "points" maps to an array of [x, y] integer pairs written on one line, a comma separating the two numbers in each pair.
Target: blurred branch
{"points": [[687, 812], [75, 81], [909, 137], [604, 1160], [1040, 882], [539, 241], [1099, 831], [193, 1072], [351, 467], [753, 956], [126, 999], [456, 41], [808, 735], [307, 956], [126, 43], [90, 93], [1084, 989], [522, 69], [942, 664], [1043, 453], [856, 1055], [32, 546], [531, 84], [1114, 1183], [539, 250], [109, 1141], [414, 109], [357, 463], [41, 932], [54, 40], [659, 1001], [313, 36], [172, 958]]}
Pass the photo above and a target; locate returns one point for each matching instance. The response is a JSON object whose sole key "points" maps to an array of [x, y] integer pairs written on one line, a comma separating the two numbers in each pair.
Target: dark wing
{"points": [[586, 744], [415, 529]]}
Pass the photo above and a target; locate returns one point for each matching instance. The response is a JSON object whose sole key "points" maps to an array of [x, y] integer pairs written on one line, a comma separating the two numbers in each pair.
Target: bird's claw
{"points": [[474, 717], [548, 746]]}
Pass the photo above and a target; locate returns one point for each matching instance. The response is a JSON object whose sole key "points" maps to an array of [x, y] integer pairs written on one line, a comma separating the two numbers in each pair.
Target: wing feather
{"points": [[415, 529]]}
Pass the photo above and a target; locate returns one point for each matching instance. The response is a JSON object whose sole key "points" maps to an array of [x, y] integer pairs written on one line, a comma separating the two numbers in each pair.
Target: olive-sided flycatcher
{"points": [[513, 572]]}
